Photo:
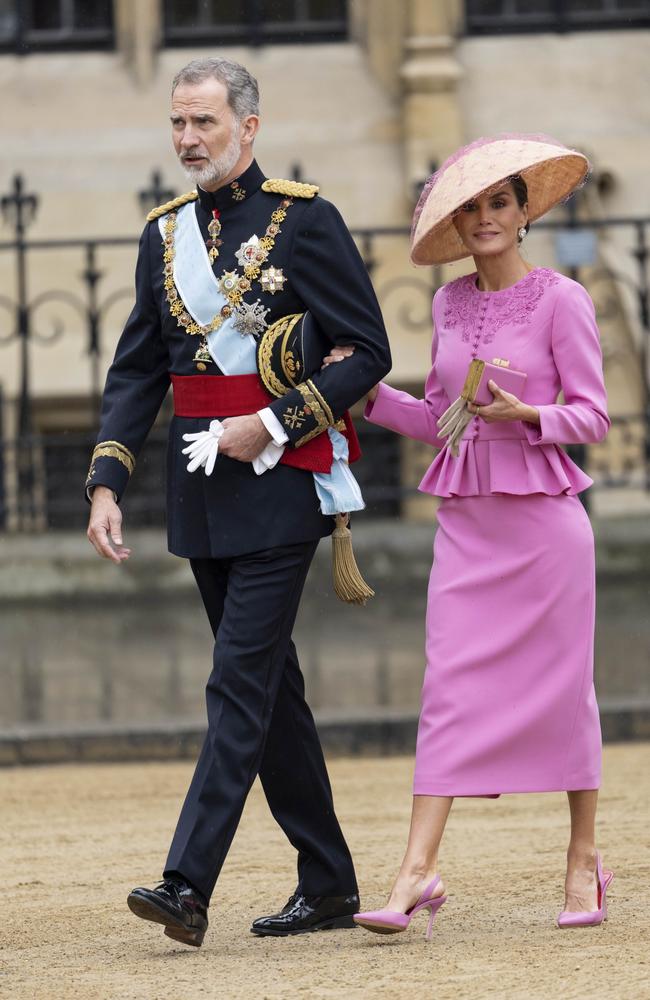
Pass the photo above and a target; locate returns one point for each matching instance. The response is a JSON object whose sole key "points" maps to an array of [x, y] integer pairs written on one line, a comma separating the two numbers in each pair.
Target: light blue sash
{"points": [[338, 491], [198, 288]]}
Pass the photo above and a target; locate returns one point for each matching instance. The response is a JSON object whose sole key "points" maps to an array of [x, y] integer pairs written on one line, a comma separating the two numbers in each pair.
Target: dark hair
{"points": [[520, 188]]}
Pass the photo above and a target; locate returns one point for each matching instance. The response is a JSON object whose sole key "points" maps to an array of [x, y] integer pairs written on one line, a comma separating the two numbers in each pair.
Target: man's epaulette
{"points": [[169, 206], [290, 189]]}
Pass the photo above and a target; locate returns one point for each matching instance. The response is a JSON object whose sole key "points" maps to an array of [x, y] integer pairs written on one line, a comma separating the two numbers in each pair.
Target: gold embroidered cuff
{"points": [[112, 449], [323, 402], [315, 406]]}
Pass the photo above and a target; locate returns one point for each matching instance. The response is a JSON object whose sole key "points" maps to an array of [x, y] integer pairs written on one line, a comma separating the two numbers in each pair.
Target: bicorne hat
{"points": [[289, 351]]}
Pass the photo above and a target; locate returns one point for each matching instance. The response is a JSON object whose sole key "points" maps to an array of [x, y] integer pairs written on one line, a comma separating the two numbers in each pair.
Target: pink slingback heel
{"points": [[392, 922], [590, 918]]}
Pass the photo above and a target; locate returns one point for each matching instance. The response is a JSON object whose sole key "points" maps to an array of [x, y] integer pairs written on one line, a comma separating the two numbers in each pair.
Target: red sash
{"points": [[218, 396]]}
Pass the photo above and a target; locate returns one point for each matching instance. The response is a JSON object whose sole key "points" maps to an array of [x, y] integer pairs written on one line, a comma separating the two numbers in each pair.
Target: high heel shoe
{"points": [[392, 922], [590, 918]]}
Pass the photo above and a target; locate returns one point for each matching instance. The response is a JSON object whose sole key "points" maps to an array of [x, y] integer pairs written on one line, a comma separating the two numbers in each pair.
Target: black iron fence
{"points": [[45, 444]]}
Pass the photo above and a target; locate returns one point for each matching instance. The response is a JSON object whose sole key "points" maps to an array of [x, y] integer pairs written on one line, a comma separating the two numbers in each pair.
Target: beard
{"points": [[216, 169]]}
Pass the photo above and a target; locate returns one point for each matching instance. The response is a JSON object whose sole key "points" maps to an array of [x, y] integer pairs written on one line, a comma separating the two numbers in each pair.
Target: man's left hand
{"points": [[243, 438]]}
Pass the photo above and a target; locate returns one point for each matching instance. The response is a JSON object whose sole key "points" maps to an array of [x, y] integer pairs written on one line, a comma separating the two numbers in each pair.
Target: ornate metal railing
{"points": [[42, 464]]}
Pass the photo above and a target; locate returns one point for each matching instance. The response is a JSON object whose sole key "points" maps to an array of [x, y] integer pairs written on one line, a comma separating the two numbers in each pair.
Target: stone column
{"points": [[138, 28], [430, 74], [432, 129], [411, 49], [379, 26]]}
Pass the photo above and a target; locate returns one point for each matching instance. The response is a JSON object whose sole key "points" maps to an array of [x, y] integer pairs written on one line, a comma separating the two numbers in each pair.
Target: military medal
{"points": [[238, 192], [214, 228], [272, 280], [250, 318], [252, 253], [247, 318], [228, 282], [202, 358]]}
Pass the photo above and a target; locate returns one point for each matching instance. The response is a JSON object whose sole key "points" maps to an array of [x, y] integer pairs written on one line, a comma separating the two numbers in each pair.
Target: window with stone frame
{"points": [[36, 25], [254, 22], [490, 17]]}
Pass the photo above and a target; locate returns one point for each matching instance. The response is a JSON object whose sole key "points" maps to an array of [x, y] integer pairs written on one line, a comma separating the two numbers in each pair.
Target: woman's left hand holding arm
{"points": [[506, 406]]}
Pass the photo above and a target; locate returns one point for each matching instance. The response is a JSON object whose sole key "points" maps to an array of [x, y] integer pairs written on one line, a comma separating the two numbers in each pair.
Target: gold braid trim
{"points": [[323, 402], [269, 337], [113, 449], [312, 403], [290, 189], [169, 206], [291, 365]]}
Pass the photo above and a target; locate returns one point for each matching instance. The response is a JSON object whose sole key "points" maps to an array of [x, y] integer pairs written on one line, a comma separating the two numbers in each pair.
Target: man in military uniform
{"points": [[215, 268]]}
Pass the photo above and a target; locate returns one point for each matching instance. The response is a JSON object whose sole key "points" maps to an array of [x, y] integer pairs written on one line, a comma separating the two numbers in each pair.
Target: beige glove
{"points": [[452, 424]]}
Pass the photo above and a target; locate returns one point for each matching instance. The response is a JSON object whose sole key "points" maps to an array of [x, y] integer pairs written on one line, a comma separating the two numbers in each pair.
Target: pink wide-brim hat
{"points": [[551, 171]]}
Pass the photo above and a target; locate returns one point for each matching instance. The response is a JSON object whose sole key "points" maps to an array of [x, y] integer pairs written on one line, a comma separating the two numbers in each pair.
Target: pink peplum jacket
{"points": [[543, 325]]}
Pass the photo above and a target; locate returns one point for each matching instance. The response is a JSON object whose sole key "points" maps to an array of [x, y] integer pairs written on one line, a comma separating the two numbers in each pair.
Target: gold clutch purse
{"points": [[479, 374], [455, 419]]}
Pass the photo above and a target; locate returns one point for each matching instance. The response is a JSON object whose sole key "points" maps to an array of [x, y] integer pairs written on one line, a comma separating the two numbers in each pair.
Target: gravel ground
{"points": [[75, 839]]}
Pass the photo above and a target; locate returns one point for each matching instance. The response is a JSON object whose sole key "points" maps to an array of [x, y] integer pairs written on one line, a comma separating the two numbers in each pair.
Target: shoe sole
{"points": [[174, 928], [379, 928], [336, 923], [193, 938], [572, 927]]}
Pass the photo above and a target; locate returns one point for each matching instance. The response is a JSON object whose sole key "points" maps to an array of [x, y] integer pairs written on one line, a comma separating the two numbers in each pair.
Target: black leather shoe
{"points": [[302, 914], [176, 905]]}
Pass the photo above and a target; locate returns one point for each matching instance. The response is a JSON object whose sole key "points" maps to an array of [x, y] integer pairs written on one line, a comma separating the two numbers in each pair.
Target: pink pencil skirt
{"points": [[508, 701]]}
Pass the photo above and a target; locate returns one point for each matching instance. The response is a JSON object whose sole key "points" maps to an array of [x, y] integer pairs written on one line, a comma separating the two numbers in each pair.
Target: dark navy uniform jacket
{"points": [[234, 511]]}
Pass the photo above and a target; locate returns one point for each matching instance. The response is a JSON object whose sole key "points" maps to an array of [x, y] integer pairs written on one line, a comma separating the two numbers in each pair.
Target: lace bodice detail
{"points": [[547, 328], [464, 303]]}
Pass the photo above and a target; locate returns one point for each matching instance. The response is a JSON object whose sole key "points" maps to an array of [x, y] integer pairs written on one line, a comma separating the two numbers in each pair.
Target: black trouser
{"points": [[259, 722]]}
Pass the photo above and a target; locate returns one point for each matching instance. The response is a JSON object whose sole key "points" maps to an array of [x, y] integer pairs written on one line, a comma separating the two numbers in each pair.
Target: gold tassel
{"points": [[349, 585]]}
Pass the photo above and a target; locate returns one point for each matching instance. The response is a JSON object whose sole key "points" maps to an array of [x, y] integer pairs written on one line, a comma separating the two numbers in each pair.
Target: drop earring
{"points": [[521, 232]]}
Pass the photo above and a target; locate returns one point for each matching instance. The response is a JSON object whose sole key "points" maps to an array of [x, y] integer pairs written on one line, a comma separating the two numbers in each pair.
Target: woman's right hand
{"points": [[340, 353]]}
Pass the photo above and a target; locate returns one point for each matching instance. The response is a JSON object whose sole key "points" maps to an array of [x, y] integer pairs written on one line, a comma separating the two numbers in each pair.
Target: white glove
{"points": [[453, 422], [204, 448]]}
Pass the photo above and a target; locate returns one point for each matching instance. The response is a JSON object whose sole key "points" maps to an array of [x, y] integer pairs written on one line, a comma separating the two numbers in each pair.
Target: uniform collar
{"points": [[235, 193]]}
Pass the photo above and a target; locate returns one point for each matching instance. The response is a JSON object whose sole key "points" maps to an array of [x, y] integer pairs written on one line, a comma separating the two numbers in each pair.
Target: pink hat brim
{"points": [[551, 171]]}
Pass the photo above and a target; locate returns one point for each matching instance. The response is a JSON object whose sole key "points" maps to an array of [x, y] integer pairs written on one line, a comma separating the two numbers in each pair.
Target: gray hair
{"points": [[243, 92]]}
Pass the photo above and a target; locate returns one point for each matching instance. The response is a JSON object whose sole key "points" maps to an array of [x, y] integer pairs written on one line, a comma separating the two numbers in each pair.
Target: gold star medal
{"points": [[228, 282]]}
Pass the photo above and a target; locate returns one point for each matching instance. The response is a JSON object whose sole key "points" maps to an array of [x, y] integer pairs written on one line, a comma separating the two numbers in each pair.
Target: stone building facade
{"points": [[362, 97]]}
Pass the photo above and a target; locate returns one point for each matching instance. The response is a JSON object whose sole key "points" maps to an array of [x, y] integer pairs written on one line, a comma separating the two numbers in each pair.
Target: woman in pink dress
{"points": [[508, 702]]}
